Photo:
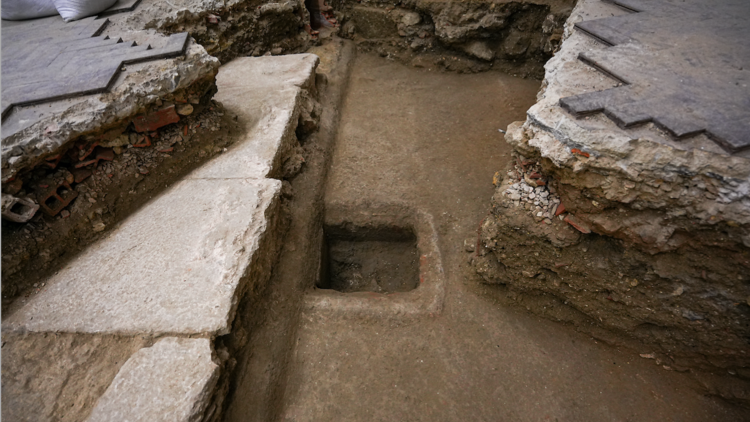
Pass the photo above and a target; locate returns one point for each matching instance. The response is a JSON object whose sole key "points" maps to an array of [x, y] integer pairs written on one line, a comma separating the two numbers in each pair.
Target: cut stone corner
{"points": [[173, 380]]}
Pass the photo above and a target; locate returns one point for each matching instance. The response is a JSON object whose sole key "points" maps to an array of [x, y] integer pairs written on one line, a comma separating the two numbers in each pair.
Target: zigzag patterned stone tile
{"points": [[685, 66], [47, 60]]}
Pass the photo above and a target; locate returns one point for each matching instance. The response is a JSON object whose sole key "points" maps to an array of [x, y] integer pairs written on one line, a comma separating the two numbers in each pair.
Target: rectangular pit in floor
{"points": [[382, 259]]}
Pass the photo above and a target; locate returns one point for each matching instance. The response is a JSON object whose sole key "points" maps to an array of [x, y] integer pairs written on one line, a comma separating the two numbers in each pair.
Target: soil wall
{"points": [[512, 36], [627, 234]]}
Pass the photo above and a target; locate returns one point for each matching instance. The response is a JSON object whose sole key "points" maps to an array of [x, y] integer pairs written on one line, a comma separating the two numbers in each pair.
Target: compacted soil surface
{"points": [[429, 140]]}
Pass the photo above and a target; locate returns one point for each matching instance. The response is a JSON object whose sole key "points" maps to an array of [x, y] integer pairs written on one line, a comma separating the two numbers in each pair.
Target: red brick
{"points": [[155, 120], [577, 224], [560, 209], [80, 175]]}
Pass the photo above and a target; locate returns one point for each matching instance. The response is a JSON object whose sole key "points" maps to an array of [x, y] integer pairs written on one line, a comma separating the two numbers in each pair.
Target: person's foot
{"points": [[311, 32], [329, 17], [325, 22]]}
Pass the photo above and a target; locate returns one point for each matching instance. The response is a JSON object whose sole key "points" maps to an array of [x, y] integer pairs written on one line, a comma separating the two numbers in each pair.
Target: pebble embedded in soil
{"points": [[185, 109]]}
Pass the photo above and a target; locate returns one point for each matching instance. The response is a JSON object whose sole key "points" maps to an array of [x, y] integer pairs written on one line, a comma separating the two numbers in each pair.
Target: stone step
{"points": [[179, 265], [172, 380], [174, 267]]}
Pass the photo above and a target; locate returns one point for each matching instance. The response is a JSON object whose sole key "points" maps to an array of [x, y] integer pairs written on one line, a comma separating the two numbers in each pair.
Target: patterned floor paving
{"points": [[684, 65]]}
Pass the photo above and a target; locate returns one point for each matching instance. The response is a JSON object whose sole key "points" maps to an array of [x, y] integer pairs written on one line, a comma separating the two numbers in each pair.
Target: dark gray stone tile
{"points": [[48, 59], [684, 66]]}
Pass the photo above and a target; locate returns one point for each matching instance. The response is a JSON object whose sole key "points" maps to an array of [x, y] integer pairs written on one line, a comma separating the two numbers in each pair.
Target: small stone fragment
{"points": [[99, 226], [480, 50], [185, 109], [470, 246], [411, 18]]}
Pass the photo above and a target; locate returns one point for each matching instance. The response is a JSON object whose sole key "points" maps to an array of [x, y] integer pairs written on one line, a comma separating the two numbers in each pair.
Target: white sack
{"points": [[72, 10]]}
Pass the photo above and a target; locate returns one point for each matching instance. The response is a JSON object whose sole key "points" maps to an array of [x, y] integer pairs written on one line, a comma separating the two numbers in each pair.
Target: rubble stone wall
{"points": [[226, 29], [628, 234], [513, 36]]}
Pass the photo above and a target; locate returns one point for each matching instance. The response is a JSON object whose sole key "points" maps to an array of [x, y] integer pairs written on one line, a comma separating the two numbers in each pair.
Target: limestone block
{"points": [[175, 266], [264, 93], [171, 381]]}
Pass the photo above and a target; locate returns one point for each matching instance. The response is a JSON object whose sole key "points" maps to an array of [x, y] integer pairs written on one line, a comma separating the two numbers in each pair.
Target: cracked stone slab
{"points": [[643, 165], [57, 60], [34, 132], [173, 380], [685, 66], [177, 265], [263, 92]]}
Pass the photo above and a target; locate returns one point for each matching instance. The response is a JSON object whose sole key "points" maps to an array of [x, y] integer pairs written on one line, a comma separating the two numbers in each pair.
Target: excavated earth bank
{"points": [[515, 37], [40, 155], [626, 233], [656, 268]]}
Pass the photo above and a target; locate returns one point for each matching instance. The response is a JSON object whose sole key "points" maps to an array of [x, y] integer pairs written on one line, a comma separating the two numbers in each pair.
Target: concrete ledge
{"points": [[170, 381], [55, 124]]}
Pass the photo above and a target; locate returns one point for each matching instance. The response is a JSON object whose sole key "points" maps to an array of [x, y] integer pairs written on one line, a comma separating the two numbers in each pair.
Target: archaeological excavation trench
{"points": [[429, 211]]}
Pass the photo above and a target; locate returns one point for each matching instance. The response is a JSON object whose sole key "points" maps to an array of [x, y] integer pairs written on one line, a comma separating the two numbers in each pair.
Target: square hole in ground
{"points": [[382, 259]]}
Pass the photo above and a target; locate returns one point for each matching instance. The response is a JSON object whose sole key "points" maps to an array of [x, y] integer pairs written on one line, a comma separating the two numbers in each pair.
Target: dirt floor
{"points": [[430, 140], [372, 262]]}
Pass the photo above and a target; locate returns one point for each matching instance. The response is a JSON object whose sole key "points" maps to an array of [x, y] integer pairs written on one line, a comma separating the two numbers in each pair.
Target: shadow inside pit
{"points": [[369, 259]]}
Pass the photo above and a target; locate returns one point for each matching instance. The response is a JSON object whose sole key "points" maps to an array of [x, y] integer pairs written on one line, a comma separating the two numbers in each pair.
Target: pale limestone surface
{"points": [[264, 92], [172, 267], [180, 264], [172, 380]]}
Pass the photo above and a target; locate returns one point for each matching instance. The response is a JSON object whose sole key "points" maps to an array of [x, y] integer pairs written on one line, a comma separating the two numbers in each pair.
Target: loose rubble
{"points": [[531, 191]]}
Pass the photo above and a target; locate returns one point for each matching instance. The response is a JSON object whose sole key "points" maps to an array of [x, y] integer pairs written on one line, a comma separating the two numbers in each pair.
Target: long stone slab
{"points": [[175, 266], [171, 381], [180, 264], [264, 93]]}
